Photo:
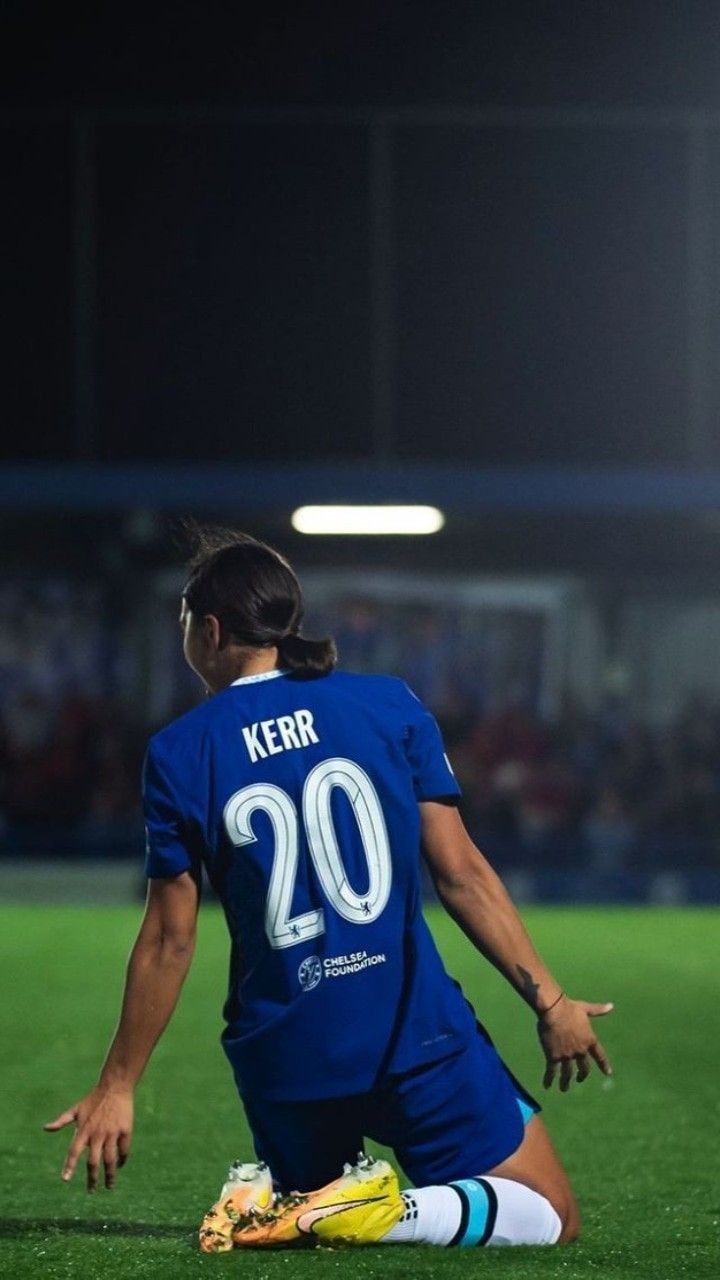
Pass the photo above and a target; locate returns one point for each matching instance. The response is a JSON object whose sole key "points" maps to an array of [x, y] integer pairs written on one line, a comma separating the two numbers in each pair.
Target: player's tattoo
{"points": [[529, 989]]}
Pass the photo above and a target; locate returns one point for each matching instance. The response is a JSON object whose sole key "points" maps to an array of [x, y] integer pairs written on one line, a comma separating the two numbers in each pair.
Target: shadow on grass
{"points": [[15, 1228]]}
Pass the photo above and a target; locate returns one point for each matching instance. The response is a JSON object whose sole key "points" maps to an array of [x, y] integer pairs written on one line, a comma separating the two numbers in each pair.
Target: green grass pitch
{"points": [[642, 1151]]}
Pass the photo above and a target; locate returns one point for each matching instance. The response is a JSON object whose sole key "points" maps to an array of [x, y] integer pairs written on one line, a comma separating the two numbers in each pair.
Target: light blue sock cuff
{"points": [[476, 1200]]}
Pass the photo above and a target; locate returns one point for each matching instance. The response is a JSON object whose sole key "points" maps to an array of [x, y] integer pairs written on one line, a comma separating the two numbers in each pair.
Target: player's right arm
{"points": [[158, 965], [476, 898]]}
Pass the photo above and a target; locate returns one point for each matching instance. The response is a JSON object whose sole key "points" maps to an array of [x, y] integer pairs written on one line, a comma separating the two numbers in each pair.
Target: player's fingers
{"points": [[566, 1067], [601, 1058], [93, 1164], [123, 1149], [110, 1161], [77, 1146], [549, 1074], [597, 1010], [583, 1067], [65, 1117]]}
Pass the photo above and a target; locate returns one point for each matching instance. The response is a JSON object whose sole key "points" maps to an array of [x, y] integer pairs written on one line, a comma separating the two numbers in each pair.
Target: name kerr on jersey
{"points": [[266, 738]]}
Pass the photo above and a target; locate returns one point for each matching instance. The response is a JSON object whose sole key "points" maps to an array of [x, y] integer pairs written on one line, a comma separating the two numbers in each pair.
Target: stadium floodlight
{"points": [[362, 520]]}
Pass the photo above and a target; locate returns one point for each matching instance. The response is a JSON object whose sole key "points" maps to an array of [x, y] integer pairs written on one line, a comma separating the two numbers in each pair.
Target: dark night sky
{"points": [[501, 52], [541, 278]]}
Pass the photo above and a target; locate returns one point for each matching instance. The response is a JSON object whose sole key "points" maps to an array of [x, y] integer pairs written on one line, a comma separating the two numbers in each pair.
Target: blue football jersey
{"points": [[300, 797]]}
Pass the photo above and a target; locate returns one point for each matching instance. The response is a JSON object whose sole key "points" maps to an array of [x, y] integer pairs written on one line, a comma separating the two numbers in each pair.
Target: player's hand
{"points": [[104, 1124], [569, 1041]]}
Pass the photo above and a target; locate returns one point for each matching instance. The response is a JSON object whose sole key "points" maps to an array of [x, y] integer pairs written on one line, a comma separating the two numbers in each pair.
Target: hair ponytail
{"points": [[307, 657], [254, 594]]}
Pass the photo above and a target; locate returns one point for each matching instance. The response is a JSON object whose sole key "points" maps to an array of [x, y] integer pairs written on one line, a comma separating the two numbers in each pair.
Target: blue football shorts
{"points": [[456, 1118]]}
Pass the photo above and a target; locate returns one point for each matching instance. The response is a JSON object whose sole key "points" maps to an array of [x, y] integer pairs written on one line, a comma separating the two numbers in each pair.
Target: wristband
{"points": [[542, 1012]]}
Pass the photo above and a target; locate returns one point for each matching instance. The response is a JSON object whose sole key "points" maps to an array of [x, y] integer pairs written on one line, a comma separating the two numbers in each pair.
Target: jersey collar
{"points": [[263, 675]]}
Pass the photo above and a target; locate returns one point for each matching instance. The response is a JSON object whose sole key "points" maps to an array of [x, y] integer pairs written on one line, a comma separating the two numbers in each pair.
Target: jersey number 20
{"points": [[284, 930]]}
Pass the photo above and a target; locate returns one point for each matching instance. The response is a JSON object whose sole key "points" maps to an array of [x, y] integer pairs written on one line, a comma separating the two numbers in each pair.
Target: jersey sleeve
{"points": [[432, 773], [167, 851]]}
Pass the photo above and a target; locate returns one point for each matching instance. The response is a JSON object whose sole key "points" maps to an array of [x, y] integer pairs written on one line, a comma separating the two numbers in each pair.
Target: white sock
{"points": [[476, 1211], [432, 1216]]}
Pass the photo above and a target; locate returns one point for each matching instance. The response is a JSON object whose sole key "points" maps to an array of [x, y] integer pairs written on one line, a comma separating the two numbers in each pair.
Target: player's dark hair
{"points": [[252, 591]]}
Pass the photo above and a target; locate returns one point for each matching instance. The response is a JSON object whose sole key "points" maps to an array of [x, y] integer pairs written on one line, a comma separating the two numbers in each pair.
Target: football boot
{"points": [[248, 1189], [358, 1208]]}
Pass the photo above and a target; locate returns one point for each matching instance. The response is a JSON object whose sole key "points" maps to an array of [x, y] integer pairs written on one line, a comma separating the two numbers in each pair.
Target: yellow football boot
{"points": [[248, 1190], [358, 1208]]}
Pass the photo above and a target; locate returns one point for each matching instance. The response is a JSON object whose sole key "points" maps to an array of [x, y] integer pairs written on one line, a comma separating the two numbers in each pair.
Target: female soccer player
{"points": [[308, 793]]}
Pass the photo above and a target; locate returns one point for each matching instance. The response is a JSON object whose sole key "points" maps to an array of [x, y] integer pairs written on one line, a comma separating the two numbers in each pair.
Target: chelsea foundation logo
{"points": [[310, 972]]}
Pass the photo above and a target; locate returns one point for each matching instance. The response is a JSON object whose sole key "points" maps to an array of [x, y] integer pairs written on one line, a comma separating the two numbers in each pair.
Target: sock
{"points": [[432, 1216], [476, 1211]]}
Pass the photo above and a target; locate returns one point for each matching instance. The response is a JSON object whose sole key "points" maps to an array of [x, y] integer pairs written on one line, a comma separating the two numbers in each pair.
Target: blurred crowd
{"points": [[70, 742], [69, 775], [600, 791]]}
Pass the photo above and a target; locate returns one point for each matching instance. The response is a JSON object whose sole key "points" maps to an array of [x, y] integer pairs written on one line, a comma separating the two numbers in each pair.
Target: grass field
{"points": [[642, 1150]]}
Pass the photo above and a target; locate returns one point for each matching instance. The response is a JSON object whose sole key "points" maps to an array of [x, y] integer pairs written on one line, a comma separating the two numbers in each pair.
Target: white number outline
{"points": [[282, 929], [322, 838], [277, 804]]}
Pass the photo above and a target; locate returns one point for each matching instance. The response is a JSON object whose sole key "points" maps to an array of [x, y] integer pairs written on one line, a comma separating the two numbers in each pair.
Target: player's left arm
{"points": [[158, 965], [473, 894]]}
